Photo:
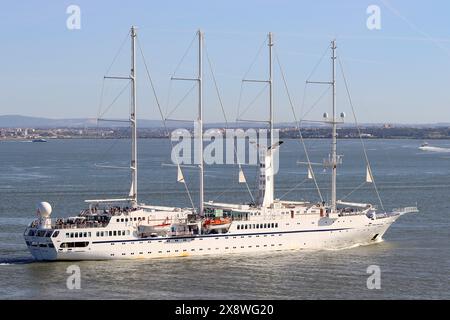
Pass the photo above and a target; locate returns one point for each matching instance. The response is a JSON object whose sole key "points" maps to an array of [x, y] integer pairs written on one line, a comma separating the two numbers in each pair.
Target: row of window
{"points": [[191, 239], [78, 234], [41, 245], [113, 233], [79, 244], [40, 233], [257, 226], [201, 249], [130, 219]]}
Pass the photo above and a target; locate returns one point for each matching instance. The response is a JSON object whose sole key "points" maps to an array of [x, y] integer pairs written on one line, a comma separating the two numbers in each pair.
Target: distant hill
{"points": [[18, 121]]}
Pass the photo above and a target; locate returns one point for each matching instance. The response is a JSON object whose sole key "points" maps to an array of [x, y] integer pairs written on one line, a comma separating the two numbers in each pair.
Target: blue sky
{"points": [[400, 73]]}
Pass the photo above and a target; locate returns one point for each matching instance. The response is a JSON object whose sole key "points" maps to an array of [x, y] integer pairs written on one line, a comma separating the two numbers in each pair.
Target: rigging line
{"points": [[254, 100], [302, 117], [169, 93], [224, 114], [115, 99], [297, 125], [351, 192], [117, 54], [222, 193], [359, 132], [101, 99], [302, 106], [415, 27], [181, 101], [99, 115], [163, 119], [293, 188], [239, 101], [184, 55], [256, 57], [318, 63]]}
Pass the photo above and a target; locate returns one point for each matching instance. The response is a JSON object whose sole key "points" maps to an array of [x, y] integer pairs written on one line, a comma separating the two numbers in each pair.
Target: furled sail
{"points": [[310, 176], [131, 193], [369, 177], [180, 177], [241, 176]]}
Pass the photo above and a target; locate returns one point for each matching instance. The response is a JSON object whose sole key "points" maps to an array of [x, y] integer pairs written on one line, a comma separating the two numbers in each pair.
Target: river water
{"points": [[414, 257]]}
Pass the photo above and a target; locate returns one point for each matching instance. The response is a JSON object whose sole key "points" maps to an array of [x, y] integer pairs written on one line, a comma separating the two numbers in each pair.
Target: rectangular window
{"points": [[110, 233], [115, 233]]}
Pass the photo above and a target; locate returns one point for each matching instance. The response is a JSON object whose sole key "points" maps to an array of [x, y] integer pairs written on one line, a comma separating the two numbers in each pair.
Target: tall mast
{"points": [[334, 134], [200, 116], [133, 166], [270, 89], [270, 177], [266, 177]]}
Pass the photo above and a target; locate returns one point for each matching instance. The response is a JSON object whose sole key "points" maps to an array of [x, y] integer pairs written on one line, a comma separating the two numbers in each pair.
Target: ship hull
{"points": [[326, 234]]}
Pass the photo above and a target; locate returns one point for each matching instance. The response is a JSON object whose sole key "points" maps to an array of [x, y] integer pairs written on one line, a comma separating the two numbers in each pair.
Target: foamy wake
{"points": [[435, 149]]}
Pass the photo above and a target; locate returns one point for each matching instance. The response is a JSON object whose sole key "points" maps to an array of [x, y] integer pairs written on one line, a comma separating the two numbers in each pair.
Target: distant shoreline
{"points": [[283, 138], [368, 133]]}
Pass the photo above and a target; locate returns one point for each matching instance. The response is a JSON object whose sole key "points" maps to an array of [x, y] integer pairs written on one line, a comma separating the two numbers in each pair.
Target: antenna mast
{"points": [[133, 166], [334, 159], [200, 117]]}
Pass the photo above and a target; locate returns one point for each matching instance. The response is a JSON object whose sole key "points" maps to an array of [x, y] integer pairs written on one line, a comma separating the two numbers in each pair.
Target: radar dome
{"points": [[44, 209]]}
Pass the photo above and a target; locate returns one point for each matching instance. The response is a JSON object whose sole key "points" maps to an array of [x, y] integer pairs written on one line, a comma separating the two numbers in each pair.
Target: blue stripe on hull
{"points": [[219, 235]]}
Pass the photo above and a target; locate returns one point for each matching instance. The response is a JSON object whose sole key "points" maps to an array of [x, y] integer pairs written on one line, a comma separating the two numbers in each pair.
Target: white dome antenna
{"points": [[44, 209]]}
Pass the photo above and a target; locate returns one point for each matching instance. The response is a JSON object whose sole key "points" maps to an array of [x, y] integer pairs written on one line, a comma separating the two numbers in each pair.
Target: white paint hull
{"points": [[310, 233]]}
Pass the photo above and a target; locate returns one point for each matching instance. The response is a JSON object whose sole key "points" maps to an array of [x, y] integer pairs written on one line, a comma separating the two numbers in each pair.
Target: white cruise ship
{"points": [[126, 229]]}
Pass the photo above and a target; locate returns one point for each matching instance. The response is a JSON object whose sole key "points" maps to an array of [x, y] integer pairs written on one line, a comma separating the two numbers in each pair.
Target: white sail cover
{"points": [[369, 177], [180, 177], [131, 193], [310, 176], [241, 176]]}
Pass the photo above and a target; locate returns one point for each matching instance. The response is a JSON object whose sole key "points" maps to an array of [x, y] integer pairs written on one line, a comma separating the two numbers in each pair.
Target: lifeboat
{"points": [[217, 223], [158, 229]]}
